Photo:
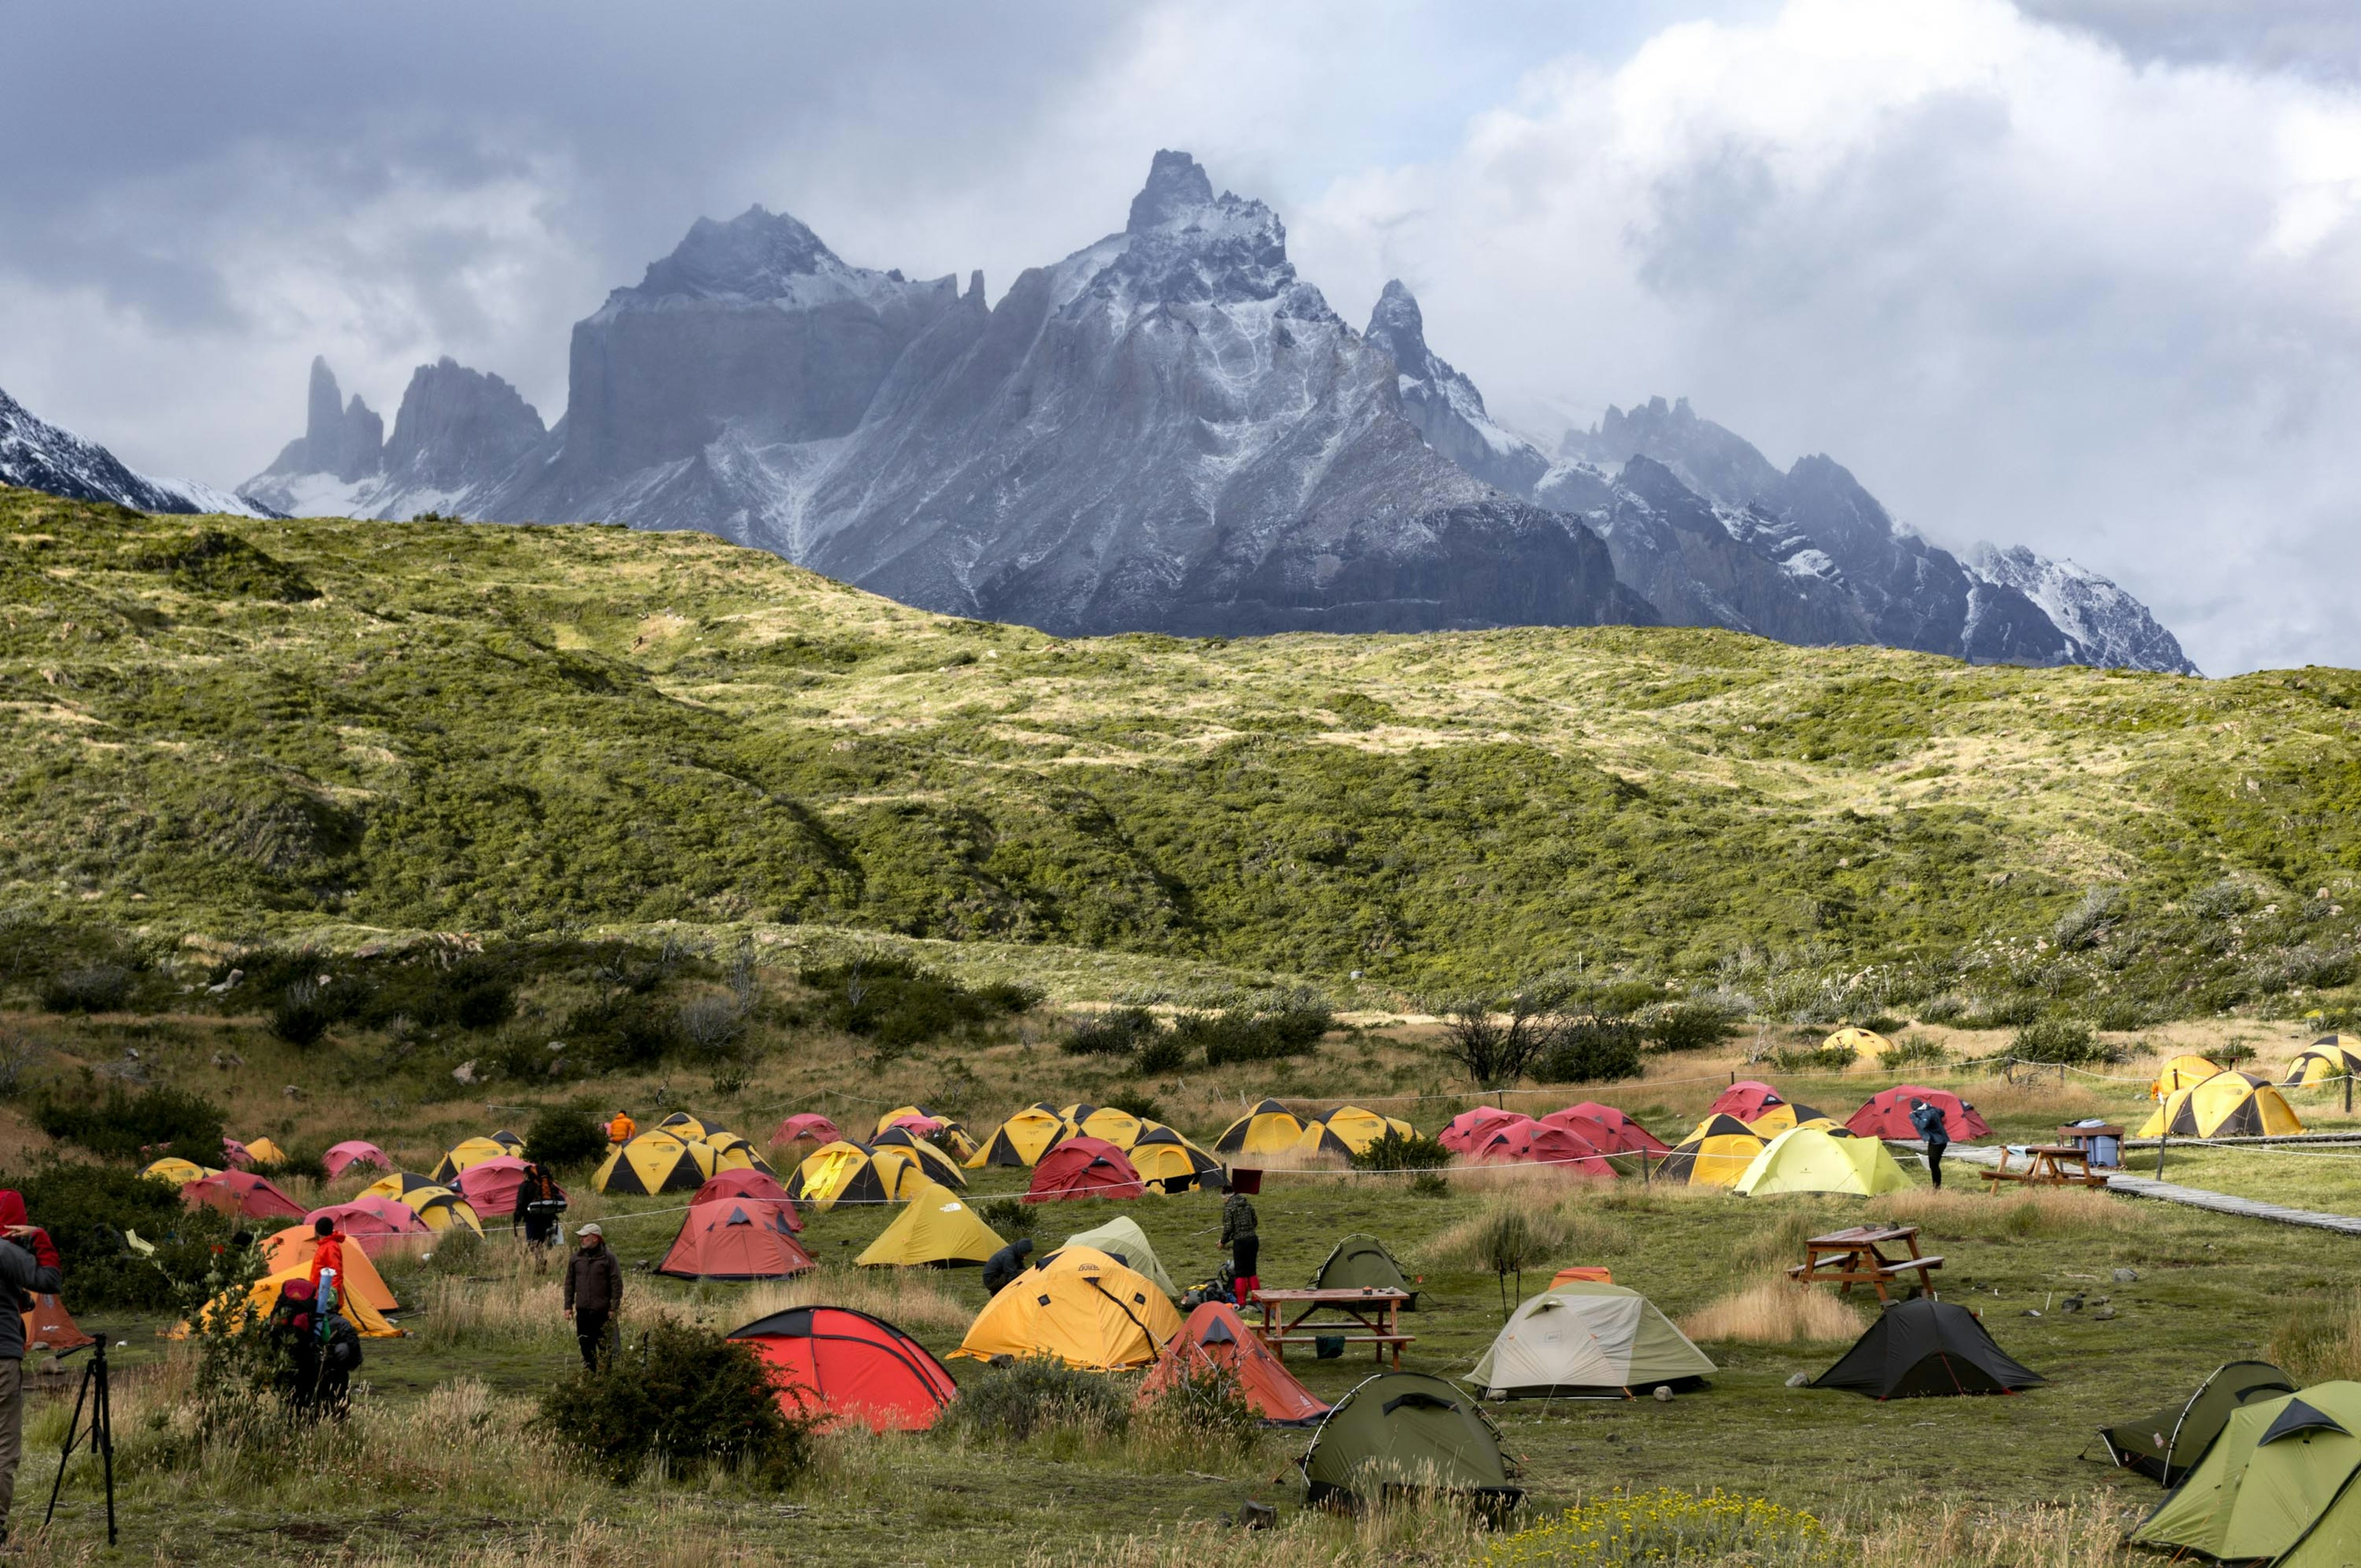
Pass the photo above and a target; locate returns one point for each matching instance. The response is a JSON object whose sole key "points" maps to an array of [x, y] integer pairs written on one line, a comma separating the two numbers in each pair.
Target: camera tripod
{"points": [[102, 1433]]}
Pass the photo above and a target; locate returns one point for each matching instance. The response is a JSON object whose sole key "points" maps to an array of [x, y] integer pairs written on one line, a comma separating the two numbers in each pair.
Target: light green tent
{"points": [[1818, 1160], [1406, 1430], [1588, 1341], [2266, 1487], [1122, 1239], [1360, 1262]]}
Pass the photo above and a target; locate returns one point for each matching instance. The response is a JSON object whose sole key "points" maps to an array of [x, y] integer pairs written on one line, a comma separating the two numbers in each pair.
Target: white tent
{"points": [[1122, 1238], [1586, 1340]]}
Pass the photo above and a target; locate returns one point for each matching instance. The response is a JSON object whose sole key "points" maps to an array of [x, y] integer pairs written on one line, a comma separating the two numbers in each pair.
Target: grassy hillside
{"points": [[271, 730]]}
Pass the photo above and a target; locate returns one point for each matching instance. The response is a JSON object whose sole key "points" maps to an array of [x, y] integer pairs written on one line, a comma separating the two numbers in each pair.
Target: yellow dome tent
{"points": [[466, 1156], [1120, 1128], [177, 1172], [2226, 1105], [687, 1128], [935, 1229], [1170, 1163], [263, 1296], [655, 1162], [937, 1166], [1082, 1307], [436, 1205], [1348, 1130], [1269, 1128], [1022, 1139], [1867, 1043], [951, 1139], [732, 1152], [291, 1250], [1821, 1159], [1777, 1119], [262, 1151], [844, 1172], [2180, 1073], [2327, 1060], [1716, 1152]]}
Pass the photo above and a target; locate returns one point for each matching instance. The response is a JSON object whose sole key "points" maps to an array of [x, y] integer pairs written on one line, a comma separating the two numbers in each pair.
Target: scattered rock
{"points": [[2126, 1276], [2104, 1313], [1663, 1395], [466, 1071], [131, 1053], [226, 986], [1799, 1380], [292, 1091], [556, 1045], [2033, 1311], [2071, 1304], [1257, 1515]]}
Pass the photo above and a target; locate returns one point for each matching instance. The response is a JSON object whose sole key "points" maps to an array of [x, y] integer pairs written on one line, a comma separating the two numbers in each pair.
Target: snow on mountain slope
{"points": [[2110, 627], [38, 456]]}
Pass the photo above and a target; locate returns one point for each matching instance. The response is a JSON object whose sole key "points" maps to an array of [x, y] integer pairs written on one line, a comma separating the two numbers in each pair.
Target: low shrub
{"points": [[682, 1395], [1810, 1059], [1693, 1025], [1395, 1152], [711, 1025], [96, 988], [896, 1003], [1775, 1311], [1133, 1102], [620, 1032], [1596, 1050], [1201, 1417], [1120, 1031], [1255, 1035], [2062, 1042], [1915, 1050], [1035, 1396], [88, 1209], [1164, 1051], [2002, 1013], [1008, 1214], [300, 1017], [2319, 1339], [562, 1137], [1944, 1009], [120, 1125]]}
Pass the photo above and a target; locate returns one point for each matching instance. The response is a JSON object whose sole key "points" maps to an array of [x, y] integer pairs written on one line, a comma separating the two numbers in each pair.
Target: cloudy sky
{"points": [[2082, 274]]}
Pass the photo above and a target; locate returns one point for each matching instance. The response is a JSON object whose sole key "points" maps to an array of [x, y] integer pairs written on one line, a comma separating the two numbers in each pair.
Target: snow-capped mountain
{"points": [[37, 456], [1170, 430]]}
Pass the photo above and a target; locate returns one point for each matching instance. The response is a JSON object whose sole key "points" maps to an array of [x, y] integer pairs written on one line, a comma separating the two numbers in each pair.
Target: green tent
{"points": [[1360, 1262], [1122, 1239], [1583, 1339], [1406, 1430], [2275, 1484], [2166, 1446]]}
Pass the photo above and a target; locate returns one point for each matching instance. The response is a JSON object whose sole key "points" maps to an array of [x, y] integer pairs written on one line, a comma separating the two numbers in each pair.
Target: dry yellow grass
{"points": [[1775, 1311], [908, 1298], [2024, 1211]]}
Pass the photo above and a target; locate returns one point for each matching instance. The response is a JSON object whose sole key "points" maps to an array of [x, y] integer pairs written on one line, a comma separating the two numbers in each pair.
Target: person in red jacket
{"points": [[327, 1256], [29, 1268]]}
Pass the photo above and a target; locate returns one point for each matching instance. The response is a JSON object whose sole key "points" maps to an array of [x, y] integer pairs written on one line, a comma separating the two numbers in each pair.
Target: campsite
{"points": [[2118, 1305]]}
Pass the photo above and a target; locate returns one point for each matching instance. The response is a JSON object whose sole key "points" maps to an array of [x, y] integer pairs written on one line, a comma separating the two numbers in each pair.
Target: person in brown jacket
{"points": [[594, 1293]]}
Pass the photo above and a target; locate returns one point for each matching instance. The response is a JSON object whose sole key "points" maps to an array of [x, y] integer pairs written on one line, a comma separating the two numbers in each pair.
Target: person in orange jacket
{"points": [[621, 1129]]}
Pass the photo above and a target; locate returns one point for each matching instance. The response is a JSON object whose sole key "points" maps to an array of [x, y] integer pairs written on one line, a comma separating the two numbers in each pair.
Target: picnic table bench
{"points": [[1856, 1257], [2048, 1164], [1376, 1309]]}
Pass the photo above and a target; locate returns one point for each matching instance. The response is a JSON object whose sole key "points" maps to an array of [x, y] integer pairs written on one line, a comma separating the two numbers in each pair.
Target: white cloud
{"points": [[2027, 289]]}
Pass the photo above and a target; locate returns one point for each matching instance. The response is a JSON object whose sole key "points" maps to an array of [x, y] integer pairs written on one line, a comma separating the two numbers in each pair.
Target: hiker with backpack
{"points": [[1238, 1235], [1935, 1129]]}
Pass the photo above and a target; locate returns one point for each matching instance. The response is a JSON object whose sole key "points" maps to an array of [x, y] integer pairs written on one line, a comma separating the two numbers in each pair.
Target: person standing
{"points": [[1246, 1246], [1936, 1128], [29, 1268], [327, 1261], [539, 1201], [594, 1293]]}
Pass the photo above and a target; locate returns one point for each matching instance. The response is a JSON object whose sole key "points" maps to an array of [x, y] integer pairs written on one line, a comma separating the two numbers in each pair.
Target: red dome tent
{"points": [[1610, 1129], [1887, 1115], [1216, 1339], [1540, 1143], [809, 1125], [1471, 1127], [852, 1367], [733, 1240], [749, 1187], [1084, 1167], [373, 1222], [352, 1152], [241, 1192], [1745, 1100], [490, 1185]]}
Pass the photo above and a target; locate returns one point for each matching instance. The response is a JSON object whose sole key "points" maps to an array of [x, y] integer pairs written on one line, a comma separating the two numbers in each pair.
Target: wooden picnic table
{"points": [[2048, 1164], [1856, 1257], [1377, 1309]]}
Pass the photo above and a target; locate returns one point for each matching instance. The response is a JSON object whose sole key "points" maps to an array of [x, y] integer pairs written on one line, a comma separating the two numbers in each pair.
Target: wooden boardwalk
{"points": [[2195, 1197]]}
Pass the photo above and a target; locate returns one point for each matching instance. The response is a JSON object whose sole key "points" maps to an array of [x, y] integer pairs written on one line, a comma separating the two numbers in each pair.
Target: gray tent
{"points": [[1122, 1239], [1360, 1262], [1584, 1340]]}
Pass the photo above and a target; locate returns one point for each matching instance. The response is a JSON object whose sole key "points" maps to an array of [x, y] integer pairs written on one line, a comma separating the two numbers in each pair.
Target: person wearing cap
{"points": [[29, 1268], [594, 1291]]}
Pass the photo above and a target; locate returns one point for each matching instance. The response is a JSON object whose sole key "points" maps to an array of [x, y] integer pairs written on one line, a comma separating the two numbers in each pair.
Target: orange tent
{"points": [[294, 1246], [49, 1327], [1216, 1339], [734, 1240]]}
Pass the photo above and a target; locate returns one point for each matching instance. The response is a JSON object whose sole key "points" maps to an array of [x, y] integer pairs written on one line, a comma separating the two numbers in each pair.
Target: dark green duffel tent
{"points": [[1360, 1262], [1406, 1430], [1926, 1347], [2166, 1446]]}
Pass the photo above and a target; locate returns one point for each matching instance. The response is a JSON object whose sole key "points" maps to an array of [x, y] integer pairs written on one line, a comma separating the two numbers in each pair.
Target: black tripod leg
{"points": [[66, 1453], [103, 1424]]}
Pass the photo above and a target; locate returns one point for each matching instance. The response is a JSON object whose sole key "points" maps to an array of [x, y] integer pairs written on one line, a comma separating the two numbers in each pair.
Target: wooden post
{"points": [[2162, 1139]]}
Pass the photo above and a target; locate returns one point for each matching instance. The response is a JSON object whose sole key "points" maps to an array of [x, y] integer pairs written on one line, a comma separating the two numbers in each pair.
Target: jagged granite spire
{"points": [[1177, 186]]}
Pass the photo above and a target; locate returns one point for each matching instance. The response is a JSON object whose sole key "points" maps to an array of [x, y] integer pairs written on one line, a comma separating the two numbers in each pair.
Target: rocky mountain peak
{"points": [[456, 425], [1176, 188], [1184, 244], [754, 256], [1399, 327], [347, 439]]}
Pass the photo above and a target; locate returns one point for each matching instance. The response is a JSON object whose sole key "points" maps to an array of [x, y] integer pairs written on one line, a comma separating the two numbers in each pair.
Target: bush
{"points": [[1912, 1050], [1395, 1152], [1202, 1415], [1009, 1214], [1684, 1026], [898, 1004], [1592, 1050], [99, 988], [686, 1396], [121, 1126], [621, 1032], [2004, 1013], [561, 1136], [2060, 1042], [1133, 1102], [1944, 1009], [711, 1025], [86, 1209], [1036, 1395], [1164, 1051], [1254, 1034], [1117, 1032], [301, 1017]]}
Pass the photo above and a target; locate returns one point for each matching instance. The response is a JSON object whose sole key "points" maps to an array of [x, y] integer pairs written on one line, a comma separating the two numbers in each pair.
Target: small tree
{"points": [[1497, 1039], [1511, 1244]]}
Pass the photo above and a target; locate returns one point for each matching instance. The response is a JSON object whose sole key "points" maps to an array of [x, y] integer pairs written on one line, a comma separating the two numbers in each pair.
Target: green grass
{"points": [[552, 729]]}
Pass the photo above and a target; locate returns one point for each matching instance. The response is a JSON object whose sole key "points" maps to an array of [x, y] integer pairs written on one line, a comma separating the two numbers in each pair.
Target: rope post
{"points": [[2162, 1139], [2348, 1091]]}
